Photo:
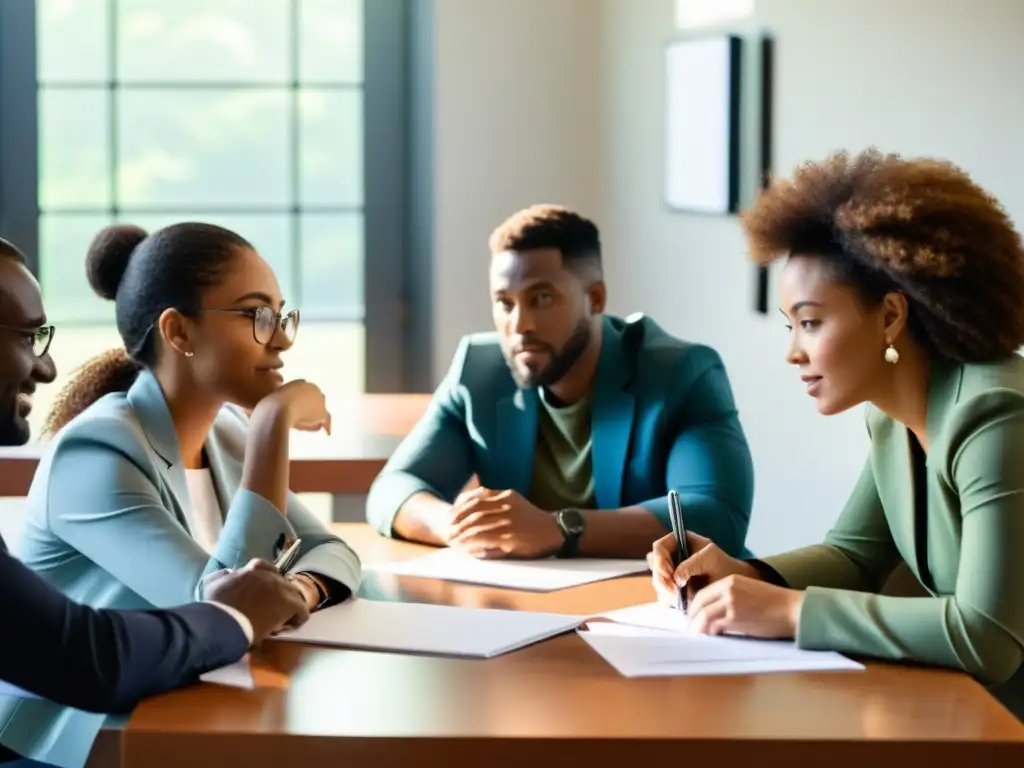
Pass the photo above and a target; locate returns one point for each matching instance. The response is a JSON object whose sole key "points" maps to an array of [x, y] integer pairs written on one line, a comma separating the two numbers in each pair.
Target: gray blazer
{"points": [[106, 524]]}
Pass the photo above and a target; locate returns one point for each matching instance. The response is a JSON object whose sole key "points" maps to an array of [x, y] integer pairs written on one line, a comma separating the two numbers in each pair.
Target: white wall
{"points": [[516, 122], [916, 76]]}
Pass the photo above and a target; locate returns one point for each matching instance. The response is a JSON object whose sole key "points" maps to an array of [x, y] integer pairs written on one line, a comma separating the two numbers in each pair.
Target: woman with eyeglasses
{"points": [[169, 459]]}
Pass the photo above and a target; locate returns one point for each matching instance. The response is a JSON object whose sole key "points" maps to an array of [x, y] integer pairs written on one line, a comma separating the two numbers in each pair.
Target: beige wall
{"points": [[517, 122], [916, 76]]}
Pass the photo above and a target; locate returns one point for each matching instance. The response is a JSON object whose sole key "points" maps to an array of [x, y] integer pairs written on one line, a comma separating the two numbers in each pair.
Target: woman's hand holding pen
{"points": [[708, 564], [723, 594]]}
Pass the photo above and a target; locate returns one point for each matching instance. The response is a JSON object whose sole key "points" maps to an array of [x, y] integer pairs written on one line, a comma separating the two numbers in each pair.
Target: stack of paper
{"points": [[642, 640], [654, 641], [433, 629], [545, 575], [237, 675], [651, 656], [451, 631]]}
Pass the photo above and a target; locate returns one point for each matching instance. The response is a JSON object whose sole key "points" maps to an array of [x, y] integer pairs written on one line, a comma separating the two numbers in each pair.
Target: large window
{"points": [[260, 115], [246, 114]]}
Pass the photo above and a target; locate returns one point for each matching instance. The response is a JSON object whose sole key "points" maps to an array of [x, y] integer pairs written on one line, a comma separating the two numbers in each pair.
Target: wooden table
{"points": [[366, 431], [557, 702]]}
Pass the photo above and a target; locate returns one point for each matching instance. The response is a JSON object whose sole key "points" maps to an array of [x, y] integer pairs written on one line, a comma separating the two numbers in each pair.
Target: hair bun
{"points": [[108, 257]]}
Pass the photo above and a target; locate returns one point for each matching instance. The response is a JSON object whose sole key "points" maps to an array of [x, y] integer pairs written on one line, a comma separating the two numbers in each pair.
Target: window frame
{"points": [[398, 178]]}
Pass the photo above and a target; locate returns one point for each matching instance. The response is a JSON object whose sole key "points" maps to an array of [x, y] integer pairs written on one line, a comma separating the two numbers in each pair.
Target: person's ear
{"points": [[175, 329], [597, 293], [895, 316]]}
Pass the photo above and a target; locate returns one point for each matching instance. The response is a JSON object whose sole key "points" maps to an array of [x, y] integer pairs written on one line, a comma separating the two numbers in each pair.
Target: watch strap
{"points": [[571, 540], [570, 546], [321, 589]]}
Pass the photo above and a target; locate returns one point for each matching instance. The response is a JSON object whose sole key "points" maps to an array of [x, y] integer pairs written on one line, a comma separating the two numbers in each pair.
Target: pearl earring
{"points": [[892, 355], [189, 354]]}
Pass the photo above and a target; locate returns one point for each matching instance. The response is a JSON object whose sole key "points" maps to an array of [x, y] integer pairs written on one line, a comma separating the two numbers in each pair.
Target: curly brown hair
{"points": [[918, 226], [110, 371]]}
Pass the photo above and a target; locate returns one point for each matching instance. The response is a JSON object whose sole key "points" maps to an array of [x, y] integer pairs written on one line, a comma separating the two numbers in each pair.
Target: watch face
{"points": [[572, 522]]}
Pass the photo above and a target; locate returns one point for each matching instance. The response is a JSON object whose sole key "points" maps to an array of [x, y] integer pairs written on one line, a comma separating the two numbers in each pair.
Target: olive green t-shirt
{"points": [[563, 474]]}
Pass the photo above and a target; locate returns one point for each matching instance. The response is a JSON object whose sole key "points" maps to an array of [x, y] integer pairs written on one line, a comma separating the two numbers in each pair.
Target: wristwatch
{"points": [[573, 525]]}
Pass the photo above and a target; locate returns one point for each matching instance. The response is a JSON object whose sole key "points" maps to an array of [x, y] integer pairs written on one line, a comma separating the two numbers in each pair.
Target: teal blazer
{"points": [[106, 525], [663, 417]]}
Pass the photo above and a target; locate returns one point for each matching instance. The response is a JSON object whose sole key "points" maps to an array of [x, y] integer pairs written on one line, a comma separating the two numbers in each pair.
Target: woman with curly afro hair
{"points": [[903, 288]]}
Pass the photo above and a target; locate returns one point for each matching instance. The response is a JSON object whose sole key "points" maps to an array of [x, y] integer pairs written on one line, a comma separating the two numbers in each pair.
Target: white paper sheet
{"points": [[429, 629], [644, 640], [644, 619], [546, 575], [662, 654], [237, 675]]}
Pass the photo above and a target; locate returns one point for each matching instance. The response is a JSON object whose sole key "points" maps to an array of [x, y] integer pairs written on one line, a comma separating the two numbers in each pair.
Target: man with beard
{"points": [[100, 660], [575, 424]]}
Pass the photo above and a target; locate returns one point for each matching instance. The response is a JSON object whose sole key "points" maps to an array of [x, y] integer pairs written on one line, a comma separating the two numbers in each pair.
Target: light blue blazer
{"points": [[106, 524]]}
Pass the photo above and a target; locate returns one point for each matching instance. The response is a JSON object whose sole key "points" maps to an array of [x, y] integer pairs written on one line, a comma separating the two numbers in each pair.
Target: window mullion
{"points": [[295, 191], [113, 94]]}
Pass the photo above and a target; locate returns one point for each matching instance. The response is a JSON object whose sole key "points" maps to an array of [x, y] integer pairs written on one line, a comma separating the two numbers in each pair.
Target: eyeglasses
{"points": [[40, 337], [266, 321]]}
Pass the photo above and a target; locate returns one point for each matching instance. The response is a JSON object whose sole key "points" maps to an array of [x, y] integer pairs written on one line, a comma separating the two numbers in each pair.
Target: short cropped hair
{"points": [[550, 226], [9, 250]]}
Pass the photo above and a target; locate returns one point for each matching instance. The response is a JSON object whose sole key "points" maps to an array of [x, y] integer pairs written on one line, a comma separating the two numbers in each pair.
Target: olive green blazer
{"points": [[965, 543]]}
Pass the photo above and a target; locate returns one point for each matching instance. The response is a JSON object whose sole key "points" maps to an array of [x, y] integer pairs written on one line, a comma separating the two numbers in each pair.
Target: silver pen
{"points": [[287, 557]]}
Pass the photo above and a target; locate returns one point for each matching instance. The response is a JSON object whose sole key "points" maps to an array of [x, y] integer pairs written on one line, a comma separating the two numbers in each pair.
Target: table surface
{"points": [[554, 701], [366, 431]]}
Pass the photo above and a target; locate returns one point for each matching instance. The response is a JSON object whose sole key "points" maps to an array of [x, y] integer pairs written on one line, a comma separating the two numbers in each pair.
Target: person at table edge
{"points": [[575, 423], [114, 658], [902, 289]]}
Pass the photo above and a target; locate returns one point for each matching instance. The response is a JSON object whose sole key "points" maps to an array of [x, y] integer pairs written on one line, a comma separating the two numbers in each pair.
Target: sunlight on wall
{"points": [[701, 13]]}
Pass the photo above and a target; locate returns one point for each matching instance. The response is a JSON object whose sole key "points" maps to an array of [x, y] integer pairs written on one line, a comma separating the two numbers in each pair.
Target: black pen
{"points": [[675, 514]]}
